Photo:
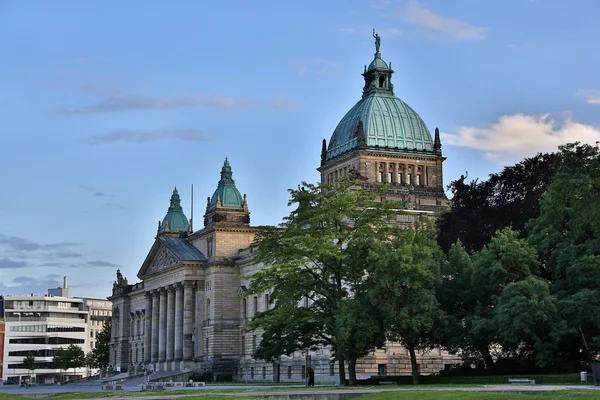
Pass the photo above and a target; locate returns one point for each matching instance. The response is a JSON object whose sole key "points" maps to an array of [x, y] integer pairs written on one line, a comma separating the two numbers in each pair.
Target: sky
{"points": [[105, 106]]}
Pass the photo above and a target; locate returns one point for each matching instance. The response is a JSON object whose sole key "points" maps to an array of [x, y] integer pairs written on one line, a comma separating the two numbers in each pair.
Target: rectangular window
{"points": [[289, 372], [245, 308], [253, 344], [264, 374], [243, 345], [267, 302], [255, 304], [251, 372], [331, 369]]}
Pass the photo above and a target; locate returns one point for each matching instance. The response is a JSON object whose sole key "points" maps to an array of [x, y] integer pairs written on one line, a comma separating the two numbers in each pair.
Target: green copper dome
{"points": [[226, 194], [175, 220], [380, 119], [378, 63], [387, 122]]}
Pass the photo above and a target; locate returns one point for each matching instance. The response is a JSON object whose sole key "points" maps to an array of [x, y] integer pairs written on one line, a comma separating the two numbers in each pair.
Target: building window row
{"points": [[47, 340], [255, 306]]}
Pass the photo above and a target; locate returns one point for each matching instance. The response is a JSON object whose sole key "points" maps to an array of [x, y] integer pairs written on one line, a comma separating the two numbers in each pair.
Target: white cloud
{"points": [[435, 25], [283, 104], [514, 137], [137, 136], [591, 96], [317, 66], [381, 4]]}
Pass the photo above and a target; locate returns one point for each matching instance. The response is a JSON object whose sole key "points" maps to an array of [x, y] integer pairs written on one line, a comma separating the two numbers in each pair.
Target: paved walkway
{"points": [[255, 391]]}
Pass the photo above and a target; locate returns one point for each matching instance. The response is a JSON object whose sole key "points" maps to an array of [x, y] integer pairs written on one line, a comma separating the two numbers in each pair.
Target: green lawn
{"points": [[451, 395]]}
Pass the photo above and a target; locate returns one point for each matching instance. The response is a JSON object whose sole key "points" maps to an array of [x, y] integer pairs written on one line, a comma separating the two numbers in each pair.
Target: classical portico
{"points": [[184, 323]]}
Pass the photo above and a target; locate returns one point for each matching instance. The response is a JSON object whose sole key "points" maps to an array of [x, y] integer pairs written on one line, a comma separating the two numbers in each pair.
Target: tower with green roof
{"points": [[227, 206], [382, 139], [175, 222]]}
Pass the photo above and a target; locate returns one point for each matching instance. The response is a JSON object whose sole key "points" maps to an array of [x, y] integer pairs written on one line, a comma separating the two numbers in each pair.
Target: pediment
{"points": [[159, 259]]}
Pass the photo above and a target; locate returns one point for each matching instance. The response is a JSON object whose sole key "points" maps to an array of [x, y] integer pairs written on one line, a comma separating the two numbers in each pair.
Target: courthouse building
{"points": [[188, 310]]}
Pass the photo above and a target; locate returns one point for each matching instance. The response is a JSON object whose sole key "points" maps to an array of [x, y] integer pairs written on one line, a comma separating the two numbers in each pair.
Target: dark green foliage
{"points": [[100, 355], [318, 253], [29, 362], [567, 238], [71, 357], [472, 287], [507, 199], [405, 270]]}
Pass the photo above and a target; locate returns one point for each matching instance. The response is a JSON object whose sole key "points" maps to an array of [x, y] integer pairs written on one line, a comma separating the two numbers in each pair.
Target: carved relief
{"points": [[162, 261]]}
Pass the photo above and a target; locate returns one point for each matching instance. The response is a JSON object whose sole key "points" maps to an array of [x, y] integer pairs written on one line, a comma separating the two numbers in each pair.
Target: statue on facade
{"points": [[377, 41], [120, 280]]}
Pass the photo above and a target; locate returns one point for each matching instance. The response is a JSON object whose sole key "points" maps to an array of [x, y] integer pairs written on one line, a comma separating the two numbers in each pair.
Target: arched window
{"points": [[382, 81]]}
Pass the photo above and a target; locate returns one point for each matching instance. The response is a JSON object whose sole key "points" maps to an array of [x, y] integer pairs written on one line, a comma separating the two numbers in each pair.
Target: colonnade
{"points": [[401, 173], [396, 173], [170, 328]]}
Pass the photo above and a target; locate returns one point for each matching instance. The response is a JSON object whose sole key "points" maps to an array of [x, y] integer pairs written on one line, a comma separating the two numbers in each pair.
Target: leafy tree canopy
{"points": [[317, 253]]}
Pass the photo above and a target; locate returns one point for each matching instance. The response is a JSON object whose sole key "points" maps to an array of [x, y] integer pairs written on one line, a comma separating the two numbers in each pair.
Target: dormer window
{"points": [[382, 82]]}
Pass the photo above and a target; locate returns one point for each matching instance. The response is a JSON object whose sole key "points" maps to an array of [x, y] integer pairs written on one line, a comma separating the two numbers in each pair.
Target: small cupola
{"points": [[226, 195], [378, 76], [175, 221], [226, 206]]}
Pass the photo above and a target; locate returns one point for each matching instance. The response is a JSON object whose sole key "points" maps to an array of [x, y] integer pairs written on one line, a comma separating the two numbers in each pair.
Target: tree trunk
{"points": [[487, 358], [413, 364], [342, 371], [352, 372]]}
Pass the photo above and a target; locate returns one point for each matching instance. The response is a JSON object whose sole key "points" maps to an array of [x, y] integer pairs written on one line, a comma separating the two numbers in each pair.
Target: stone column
{"points": [[200, 316], [147, 328], [188, 320], [170, 323], [406, 182], [425, 183], [162, 326], [155, 319], [179, 322], [386, 173]]}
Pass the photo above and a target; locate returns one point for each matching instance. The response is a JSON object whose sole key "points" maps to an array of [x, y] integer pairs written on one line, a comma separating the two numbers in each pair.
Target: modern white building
{"points": [[41, 325]]}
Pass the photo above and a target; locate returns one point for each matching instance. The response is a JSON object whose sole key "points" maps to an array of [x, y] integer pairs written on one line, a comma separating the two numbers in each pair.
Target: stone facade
{"points": [[189, 310]]}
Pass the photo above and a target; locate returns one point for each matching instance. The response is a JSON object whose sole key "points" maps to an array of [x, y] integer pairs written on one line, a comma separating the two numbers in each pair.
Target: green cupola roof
{"points": [[175, 220], [380, 120], [226, 195]]}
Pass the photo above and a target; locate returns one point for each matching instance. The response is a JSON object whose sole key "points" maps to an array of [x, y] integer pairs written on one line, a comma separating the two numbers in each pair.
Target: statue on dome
{"points": [[377, 41]]}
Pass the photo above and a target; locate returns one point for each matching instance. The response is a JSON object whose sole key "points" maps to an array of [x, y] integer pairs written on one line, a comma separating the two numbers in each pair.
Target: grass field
{"points": [[387, 395]]}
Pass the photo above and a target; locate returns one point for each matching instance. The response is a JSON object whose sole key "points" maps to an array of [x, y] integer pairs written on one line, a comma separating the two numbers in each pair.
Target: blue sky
{"points": [[106, 105]]}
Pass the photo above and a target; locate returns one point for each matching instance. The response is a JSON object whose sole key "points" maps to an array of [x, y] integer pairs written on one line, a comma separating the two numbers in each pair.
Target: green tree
{"points": [[61, 360], [509, 198], [567, 238], [316, 253], [90, 361], [100, 355], [405, 270], [472, 285], [527, 320], [29, 362], [76, 357]]}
